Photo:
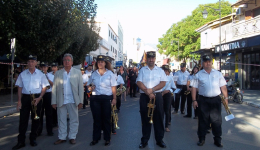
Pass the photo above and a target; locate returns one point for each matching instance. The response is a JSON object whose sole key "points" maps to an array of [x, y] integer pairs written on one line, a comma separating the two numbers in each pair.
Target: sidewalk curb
{"points": [[8, 112], [251, 104]]}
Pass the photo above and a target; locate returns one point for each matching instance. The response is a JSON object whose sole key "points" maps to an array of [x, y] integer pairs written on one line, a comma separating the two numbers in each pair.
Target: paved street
{"points": [[241, 133]]}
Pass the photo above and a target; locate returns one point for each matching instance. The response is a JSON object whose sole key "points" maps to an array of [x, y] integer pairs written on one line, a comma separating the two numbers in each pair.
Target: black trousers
{"points": [[132, 87], [189, 105], [47, 110], [118, 102], [157, 118], [24, 118], [84, 100], [54, 117], [170, 110], [209, 112], [167, 107], [101, 111], [183, 98]]}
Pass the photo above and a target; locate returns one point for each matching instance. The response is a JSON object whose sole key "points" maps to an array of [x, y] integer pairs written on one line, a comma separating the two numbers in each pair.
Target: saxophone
{"points": [[119, 91], [114, 116]]}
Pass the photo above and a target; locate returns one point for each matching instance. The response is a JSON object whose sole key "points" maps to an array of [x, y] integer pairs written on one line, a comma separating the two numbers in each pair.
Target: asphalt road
{"points": [[242, 133]]}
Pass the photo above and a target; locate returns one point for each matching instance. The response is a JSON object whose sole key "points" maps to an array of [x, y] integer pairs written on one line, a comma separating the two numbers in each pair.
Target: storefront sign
{"points": [[232, 46]]}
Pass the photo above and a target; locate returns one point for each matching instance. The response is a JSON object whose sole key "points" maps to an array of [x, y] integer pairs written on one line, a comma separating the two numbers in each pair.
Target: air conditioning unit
{"points": [[239, 11]]}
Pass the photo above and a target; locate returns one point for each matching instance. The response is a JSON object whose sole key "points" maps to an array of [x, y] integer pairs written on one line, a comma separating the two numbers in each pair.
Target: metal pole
{"points": [[178, 48], [12, 77], [220, 49]]}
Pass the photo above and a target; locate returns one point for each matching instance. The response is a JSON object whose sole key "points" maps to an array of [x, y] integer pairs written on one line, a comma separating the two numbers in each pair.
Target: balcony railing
{"points": [[246, 28]]}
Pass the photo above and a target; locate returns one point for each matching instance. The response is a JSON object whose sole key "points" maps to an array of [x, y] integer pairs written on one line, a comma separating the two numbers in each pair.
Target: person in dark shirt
{"points": [[132, 76]]}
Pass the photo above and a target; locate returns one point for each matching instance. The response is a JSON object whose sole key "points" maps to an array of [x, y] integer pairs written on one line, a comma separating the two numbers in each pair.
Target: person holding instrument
{"points": [[103, 91], [31, 82], [46, 105], [151, 79], [167, 96], [210, 83]]}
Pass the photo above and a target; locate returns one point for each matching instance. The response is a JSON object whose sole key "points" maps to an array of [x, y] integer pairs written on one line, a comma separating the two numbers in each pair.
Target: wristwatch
{"points": [[194, 100], [153, 90], [226, 98]]}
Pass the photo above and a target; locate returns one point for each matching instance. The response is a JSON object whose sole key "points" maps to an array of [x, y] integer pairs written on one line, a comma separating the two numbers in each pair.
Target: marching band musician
{"points": [[46, 105], [182, 78], [88, 71], [103, 91], [30, 82], [189, 99], [85, 81], [210, 84], [54, 68], [151, 80], [167, 95], [120, 84]]}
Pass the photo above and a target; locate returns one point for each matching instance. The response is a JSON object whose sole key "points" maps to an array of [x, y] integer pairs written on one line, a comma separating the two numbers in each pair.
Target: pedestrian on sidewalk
{"points": [[124, 75], [46, 105], [210, 83], [151, 80], [103, 91], [67, 97], [31, 83], [132, 76]]}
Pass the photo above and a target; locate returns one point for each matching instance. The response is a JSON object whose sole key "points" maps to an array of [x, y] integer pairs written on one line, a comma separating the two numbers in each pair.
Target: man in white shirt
{"points": [[181, 82], [46, 106], [31, 87], [151, 79], [85, 81], [67, 97], [210, 84]]}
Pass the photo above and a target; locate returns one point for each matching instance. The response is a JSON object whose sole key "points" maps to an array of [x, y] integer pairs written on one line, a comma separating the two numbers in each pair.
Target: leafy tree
{"points": [[48, 28], [184, 32]]}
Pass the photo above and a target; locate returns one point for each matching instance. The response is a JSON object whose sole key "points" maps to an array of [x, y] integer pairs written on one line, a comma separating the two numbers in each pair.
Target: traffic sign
{"points": [[119, 63]]}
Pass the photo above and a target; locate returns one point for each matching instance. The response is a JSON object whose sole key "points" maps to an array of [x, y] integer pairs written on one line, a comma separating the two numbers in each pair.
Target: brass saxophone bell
{"points": [[151, 121], [36, 117]]}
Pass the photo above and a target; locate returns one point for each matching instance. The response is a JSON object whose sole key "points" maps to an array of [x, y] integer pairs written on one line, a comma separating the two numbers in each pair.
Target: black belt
{"points": [[208, 97], [32, 94]]}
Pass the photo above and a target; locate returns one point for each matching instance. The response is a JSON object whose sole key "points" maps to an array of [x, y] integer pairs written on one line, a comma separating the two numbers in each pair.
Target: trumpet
{"points": [[119, 91], [187, 92], [34, 108], [229, 114], [114, 115], [151, 106], [48, 87]]}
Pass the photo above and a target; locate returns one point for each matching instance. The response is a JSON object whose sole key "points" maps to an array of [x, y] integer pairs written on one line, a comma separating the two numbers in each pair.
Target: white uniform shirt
{"points": [[119, 80], [50, 77], [88, 73], [182, 77], [32, 83], [85, 78], [151, 78], [169, 84], [68, 95], [102, 83], [209, 84]]}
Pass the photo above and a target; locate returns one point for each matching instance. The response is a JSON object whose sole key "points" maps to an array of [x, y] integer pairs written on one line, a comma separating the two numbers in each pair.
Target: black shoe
{"points": [[93, 143], [182, 112], [143, 145], [186, 116], [50, 134], [201, 142], [195, 117], [208, 131], [33, 143], [161, 144], [218, 144], [107, 143], [18, 146], [174, 112]]}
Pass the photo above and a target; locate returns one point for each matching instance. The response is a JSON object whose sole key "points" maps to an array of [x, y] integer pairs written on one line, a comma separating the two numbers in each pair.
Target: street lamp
{"points": [[205, 15], [178, 46]]}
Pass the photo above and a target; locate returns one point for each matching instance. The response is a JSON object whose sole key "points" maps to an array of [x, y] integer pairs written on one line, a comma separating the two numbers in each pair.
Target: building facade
{"points": [[240, 43]]}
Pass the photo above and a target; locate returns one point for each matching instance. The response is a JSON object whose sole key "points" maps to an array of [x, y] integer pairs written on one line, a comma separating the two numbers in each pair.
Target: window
{"points": [[248, 15], [109, 33], [111, 48]]}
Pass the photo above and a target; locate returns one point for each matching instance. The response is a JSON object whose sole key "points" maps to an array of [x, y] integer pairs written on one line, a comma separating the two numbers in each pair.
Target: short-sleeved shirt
{"points": [[119, 80], [32, 83], [103, 84], [169, 84], [88, 73], [151, 78], [85, 78], [50, 77], [208, 83], [182, 77]]}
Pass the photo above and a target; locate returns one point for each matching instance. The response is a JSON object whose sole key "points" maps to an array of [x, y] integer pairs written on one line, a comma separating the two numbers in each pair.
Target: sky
{"points": [[147, 19]]}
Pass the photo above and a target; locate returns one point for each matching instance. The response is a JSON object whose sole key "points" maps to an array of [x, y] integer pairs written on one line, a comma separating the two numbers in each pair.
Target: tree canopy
{"points": [[184, 31], [48, 28]]}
